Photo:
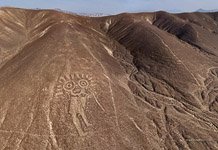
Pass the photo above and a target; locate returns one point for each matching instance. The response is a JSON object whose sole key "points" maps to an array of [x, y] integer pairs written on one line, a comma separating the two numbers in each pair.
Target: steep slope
{"points": [[129, 81]]}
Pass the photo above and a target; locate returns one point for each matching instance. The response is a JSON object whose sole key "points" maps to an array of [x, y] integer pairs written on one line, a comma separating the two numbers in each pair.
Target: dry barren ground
{"points": [[146, 81]]}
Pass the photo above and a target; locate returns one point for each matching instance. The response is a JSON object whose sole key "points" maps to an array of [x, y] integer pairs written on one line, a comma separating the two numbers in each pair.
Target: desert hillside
{"points": [[143, 81]]}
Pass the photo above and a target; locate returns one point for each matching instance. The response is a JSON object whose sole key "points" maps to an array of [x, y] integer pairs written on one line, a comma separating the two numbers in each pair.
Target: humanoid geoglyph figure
{"points": [[76, 88]]}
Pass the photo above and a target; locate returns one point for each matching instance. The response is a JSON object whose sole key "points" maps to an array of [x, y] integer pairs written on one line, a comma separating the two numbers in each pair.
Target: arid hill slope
{"points": [[130, 81]]}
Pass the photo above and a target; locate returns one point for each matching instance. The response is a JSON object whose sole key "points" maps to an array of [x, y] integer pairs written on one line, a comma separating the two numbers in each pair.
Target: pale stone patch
{"points": [[107, 24], [8, 29], [110, 52], [20, 24], [149, 21]]}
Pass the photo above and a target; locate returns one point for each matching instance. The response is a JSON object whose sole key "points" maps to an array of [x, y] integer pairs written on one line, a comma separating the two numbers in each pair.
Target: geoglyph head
{"points": [[75, 85]]}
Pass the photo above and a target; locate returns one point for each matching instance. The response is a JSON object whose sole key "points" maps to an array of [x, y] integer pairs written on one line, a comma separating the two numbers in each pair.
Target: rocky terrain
{"points": [[143, 81]]}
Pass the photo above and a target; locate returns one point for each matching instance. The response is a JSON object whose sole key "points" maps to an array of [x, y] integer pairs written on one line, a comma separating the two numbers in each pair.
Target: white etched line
{"points": [[109, 81]]}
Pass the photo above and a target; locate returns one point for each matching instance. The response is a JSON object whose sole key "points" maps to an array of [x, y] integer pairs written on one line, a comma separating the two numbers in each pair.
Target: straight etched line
{"points": [[109, 81], [52, 135], [179, 60]]}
